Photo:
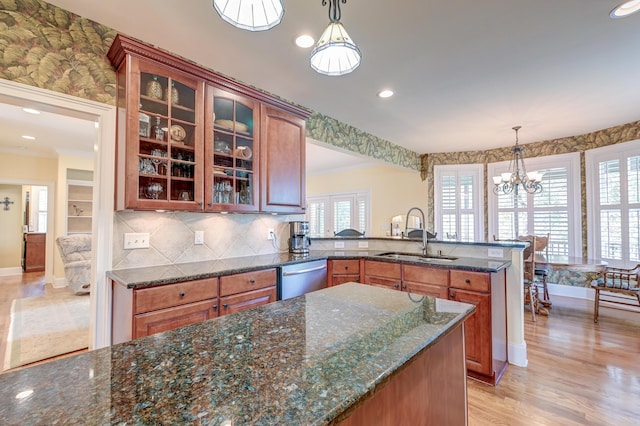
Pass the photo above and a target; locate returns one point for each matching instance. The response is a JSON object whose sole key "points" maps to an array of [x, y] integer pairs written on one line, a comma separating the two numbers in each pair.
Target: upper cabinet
{"points": [[282, 160], [190, 139]]}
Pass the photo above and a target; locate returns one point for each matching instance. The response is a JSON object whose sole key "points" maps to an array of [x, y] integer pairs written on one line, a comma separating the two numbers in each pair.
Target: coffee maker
{"points": [[299, 242]]}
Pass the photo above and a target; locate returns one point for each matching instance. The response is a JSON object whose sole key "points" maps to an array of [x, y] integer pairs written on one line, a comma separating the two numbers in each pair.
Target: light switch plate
{"points": [[199, 238], [136, 240]]}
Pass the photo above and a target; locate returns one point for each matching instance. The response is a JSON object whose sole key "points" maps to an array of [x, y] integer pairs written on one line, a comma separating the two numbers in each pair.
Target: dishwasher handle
{"points": [[303, 271]]}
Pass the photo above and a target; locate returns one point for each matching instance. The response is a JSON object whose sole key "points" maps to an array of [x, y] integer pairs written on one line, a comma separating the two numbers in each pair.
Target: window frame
{"points": [[477, 172], [593, 158], [574, 209], [355, 198]]}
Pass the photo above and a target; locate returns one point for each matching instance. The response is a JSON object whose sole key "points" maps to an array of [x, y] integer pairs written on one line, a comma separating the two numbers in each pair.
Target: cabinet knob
{"points": [[346, 267], [468, 281], [210, 204], [181, 294], [225, 305], [215, 307], [200, 203], [404, 287], [252, 281], [452, 296], [396, 285]]}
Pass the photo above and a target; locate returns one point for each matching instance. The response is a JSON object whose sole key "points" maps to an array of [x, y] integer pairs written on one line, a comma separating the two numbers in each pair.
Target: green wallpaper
{"points": [[45, 46]]}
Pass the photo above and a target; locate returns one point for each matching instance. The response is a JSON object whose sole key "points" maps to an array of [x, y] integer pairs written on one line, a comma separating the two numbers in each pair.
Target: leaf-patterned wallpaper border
{"points": [[45, 46]]}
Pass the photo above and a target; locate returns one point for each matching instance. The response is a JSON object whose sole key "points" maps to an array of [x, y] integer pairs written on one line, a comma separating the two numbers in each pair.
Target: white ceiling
{"points": [[464, 72]]}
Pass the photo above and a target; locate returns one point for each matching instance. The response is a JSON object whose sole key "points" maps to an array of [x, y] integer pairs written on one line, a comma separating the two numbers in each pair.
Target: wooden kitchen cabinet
{"points": [[383, 274], [160, 136], [282, 162], [343, 271], [232, 152], [141, 312], [247, 290], [486, 328], [33, 255], [191, 139], [432, 282]]}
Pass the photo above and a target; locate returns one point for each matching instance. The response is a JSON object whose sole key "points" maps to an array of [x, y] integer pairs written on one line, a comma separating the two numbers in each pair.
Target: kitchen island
{"points": [[344, 354]]}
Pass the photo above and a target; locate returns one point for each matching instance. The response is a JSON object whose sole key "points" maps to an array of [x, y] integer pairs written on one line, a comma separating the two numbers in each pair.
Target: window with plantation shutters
{"points": [[554, 211], [613, 200], [330, 213], [458, 207]]}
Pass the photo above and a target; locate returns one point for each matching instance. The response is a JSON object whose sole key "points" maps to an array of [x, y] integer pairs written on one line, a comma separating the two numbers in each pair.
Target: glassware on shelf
{"points": [[145, 125], [156, 130], [154, 88], [154, 190]]}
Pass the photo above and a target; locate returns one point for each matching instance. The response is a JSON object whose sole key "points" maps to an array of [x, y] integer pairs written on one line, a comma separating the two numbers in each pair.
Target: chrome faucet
{"points": [[424, 228]]}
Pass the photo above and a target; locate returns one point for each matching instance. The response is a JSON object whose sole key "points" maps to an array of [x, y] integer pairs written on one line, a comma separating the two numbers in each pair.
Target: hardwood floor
{"points": [[579, 373], [28, 284]]}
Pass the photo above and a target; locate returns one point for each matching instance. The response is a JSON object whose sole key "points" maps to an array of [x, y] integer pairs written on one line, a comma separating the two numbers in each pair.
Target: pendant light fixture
{"points": [[335, 53], [252, 15], [517, 177]]}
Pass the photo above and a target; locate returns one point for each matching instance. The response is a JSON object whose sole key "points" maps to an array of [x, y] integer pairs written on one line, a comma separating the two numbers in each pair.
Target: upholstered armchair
{"points": [[75, 251]]}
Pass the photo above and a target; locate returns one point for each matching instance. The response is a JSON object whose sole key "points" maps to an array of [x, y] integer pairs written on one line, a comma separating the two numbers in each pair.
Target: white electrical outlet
{"points": [[499, 253], [136, 240], [338, 244], [270, 234], [199, 238], [363, 244]]}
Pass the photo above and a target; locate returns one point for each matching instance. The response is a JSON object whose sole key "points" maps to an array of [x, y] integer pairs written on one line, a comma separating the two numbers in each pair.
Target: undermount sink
{"points": [[417, 256]]}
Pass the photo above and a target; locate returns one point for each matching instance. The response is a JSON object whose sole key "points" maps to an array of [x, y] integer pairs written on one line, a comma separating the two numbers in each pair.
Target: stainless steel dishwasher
{"points": [[301, 278]]}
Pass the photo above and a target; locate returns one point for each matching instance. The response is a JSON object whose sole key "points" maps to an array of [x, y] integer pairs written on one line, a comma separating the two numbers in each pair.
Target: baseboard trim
{"points": [[518, 354], [59, 283], [15, 270], [571, 291]]}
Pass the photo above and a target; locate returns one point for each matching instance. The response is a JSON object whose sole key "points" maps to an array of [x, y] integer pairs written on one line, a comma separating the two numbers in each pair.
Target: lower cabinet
{"points": [[383, 274], [247, 290], [142, 312], [485, 329], [343, 271]]}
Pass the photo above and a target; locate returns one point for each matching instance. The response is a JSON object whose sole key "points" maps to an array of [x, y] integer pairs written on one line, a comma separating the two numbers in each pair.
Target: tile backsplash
{"points": [[171, 236]]}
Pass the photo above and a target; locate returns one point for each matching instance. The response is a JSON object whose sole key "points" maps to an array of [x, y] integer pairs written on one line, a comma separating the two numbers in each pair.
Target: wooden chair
{"points": [[530, 288], [540, 247], [619, 286]]}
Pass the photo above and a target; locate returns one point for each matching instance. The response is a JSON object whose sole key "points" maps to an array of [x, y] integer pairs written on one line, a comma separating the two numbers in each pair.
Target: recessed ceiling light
{"points": [[386, 93], [625, 9], [305, 41], [31, 110], [31, 138]]}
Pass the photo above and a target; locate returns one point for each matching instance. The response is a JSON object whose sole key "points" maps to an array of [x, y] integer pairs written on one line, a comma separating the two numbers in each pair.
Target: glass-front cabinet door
{"points": [[165, 168], [231, 152]]}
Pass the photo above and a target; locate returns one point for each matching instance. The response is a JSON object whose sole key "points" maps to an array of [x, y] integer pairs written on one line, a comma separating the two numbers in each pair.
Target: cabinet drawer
{"points": [[166, 296], [168, 319], [425, 275], [383, 269], [345, 267], [238, 283], [247, 300], [341, 279], [474, 281]]}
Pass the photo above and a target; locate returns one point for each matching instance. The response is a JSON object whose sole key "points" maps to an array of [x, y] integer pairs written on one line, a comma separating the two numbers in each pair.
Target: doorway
{"points": [[102, 117]]}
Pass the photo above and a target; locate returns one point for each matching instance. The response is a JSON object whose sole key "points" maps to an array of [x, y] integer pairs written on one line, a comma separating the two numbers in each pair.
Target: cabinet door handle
{"points": [[181, 294], [215, 307], [252, 281], [210, 204], [225, 305], [452, 295], [404, 287], [468, 281], [396, 285], [200, 203]]}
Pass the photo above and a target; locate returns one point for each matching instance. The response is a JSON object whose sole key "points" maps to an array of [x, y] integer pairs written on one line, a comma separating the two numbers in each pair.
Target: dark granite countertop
{"points": [[306, 360], [167, 274]]}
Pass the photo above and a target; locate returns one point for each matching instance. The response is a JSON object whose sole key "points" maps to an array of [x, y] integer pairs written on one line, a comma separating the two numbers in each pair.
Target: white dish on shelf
{"points": [[230, 125]]}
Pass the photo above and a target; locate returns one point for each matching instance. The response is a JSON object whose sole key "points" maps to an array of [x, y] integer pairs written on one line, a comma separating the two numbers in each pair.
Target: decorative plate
{"points": [[178, 133]]}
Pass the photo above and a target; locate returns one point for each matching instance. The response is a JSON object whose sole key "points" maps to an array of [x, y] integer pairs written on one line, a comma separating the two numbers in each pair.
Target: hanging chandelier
{"points": [[252, 15], [517, 177], [335, 53]]}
